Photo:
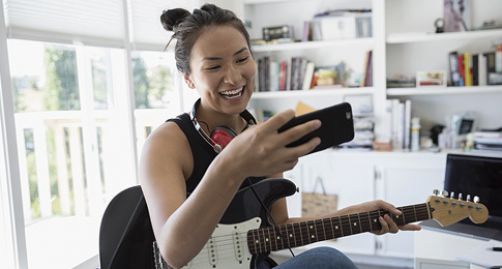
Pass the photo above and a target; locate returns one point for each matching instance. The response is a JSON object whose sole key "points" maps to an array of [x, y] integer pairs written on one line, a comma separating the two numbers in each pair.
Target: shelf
{"points": [[400, 38], [314, 45], [443, 90], [313, 93]]}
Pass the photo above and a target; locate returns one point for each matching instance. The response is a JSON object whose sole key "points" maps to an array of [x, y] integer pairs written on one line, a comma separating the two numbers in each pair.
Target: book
{"points": [[482, 74], [467, 69], [407, 124], [309, 74]]}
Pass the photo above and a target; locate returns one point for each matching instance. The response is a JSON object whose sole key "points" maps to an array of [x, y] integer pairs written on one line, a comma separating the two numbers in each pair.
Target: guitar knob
{"points": [[476, 199], [435, 192], [445, 193], [460, 196], [468, 199], [452, 195]]}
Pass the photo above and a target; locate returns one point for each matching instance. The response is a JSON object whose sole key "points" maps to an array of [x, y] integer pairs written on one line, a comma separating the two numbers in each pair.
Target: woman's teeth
{"points": [[232, 93]]}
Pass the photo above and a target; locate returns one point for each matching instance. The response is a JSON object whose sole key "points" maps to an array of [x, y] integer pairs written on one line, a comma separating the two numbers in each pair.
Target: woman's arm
{"points": [[181, 226]]}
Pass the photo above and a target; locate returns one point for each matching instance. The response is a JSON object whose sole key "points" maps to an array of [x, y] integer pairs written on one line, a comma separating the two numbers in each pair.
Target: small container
{"points": [[415, 134]]}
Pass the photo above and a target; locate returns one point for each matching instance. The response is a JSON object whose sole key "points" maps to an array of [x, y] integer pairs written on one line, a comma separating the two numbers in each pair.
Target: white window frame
{"points": [[12, 204]]}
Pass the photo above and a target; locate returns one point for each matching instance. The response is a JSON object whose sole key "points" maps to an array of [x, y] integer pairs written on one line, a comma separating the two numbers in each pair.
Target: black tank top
{"points": [[202, 153]]}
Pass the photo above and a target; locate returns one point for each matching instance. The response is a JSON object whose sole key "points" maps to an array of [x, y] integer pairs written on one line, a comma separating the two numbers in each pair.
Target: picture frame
{"points": [[431, 79]]}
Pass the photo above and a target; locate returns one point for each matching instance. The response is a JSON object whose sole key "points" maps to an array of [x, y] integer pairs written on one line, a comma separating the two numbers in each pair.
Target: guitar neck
{"points": [[264, 240]]}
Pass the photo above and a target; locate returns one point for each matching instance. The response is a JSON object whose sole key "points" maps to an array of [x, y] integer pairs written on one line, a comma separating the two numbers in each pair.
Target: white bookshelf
{"points": [[474, 90], [314, 93], [398, 38], [314, 45]]}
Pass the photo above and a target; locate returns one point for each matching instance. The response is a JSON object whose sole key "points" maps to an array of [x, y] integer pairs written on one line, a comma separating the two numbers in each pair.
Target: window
{"points": [[67, 142], [156, 95]]}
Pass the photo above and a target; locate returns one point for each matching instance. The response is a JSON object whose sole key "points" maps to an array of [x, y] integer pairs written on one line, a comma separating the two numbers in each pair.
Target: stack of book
{"points": [[363, 134], [468, 69], [488, 141], [398, 117], [285, 75]]}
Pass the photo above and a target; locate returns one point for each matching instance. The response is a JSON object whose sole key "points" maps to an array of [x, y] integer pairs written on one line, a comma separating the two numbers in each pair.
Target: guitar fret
{"points": [[257, 241], [288, 235], [415, 213], [294, 236], [369, 221], [341, 226], [264, 241], [269, 238], [346, 222], [315, 235], [324, 230], [278, 237], [332, 227]]}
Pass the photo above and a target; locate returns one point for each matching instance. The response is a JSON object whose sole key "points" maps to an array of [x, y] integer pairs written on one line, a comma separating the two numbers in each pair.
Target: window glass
{"points": [[68, 140]]}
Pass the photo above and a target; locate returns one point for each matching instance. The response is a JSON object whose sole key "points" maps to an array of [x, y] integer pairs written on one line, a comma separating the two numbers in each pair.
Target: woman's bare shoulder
{"points": [[169, 146]]}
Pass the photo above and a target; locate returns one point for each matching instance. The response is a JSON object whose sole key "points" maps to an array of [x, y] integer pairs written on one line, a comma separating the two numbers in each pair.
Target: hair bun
{"points": [[172, 17]]}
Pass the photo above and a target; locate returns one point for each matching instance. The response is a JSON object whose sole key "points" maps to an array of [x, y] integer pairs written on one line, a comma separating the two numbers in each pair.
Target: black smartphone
{"points": [[337, 126]]}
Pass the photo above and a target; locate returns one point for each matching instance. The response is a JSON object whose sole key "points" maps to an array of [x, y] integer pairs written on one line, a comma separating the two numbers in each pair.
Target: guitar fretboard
{"points": [[264, 240]]}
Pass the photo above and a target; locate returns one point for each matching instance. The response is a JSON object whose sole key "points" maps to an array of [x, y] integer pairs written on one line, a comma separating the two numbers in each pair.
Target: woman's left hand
{"points": [[388, 225]]}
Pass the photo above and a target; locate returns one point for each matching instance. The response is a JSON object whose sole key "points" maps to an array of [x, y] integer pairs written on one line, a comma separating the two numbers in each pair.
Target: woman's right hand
{"points": [[261, 150]]}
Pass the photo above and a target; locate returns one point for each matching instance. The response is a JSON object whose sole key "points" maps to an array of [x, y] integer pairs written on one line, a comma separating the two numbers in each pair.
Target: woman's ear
{"points": [[188, 81]]}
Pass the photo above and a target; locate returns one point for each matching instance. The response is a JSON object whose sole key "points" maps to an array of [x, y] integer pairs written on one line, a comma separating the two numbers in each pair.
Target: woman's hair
{"points": [[187, 27]]}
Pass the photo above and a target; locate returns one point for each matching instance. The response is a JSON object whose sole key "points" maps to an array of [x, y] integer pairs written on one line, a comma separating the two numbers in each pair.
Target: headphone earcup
{"points": [[222, 135]]}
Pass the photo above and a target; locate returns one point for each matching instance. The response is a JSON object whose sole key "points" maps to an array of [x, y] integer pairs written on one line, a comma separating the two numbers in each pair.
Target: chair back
{"points": [[126, 236]]}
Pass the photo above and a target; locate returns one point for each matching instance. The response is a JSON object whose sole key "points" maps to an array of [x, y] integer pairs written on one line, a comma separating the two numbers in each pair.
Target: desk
{"points": [[439, 249]]}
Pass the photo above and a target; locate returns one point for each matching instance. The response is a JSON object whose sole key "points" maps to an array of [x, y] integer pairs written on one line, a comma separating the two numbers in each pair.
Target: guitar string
{"points": [[342, 218], [222, 251], [296, 234]]}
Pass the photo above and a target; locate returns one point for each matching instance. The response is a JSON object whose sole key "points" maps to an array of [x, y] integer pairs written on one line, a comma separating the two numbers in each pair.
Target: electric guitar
{"points": [[244, 234]]}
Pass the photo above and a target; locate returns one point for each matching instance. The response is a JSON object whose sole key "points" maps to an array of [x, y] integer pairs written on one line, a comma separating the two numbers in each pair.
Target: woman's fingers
{"points": [[392, 225], [278, 120], [410, 227], [294, 133]]}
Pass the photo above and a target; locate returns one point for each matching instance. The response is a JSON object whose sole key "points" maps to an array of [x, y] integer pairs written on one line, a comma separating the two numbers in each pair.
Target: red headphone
{"points": [[219, 138]]}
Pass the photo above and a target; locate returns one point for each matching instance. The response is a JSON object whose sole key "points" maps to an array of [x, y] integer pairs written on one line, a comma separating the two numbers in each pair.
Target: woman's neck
{"points": [[213, 119]]}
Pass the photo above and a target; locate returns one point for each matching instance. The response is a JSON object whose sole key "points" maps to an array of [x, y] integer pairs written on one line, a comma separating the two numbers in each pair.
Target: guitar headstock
{"points": [[449, 210]]}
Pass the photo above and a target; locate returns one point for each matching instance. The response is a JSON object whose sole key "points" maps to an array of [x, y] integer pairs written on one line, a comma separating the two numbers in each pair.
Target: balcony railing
{"points": [[76, 159]]}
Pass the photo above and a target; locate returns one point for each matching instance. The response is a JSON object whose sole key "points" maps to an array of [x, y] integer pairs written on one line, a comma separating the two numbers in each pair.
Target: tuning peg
{"points": [[476, 199], [435, 192], [468, 199], [445, 193], [460, 196], [452, 195]]}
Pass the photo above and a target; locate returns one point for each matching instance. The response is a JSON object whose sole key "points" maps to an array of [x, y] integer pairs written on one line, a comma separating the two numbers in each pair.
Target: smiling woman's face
{"points": [[222, 69]]}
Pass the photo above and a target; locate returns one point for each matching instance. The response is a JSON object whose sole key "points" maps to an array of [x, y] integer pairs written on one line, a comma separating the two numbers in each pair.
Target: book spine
{"points": [[498, 59], [453, 63], [475, 70], [467, 69], [482, 74], [461, 69]]}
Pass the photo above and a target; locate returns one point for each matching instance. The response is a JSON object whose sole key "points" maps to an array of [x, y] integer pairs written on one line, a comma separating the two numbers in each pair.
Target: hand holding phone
{"points": [[337, 126]]}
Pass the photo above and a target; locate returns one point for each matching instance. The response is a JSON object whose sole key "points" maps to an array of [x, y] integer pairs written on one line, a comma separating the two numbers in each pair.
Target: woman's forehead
{"points": [[219, 41]]}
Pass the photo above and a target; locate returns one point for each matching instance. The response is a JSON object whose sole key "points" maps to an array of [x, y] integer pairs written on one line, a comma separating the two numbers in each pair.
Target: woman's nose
{"points": [[232, 76]]}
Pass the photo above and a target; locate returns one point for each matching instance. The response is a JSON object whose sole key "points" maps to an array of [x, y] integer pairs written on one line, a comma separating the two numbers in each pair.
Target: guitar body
{"points": [[227, 246]]}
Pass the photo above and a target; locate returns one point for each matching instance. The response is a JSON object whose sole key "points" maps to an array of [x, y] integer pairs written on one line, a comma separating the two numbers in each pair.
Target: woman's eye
{"points": [[213, 67], [242, 60]]}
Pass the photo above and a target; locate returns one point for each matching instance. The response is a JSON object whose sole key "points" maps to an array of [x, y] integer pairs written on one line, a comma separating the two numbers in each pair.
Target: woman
{"points": [[188, 181]]}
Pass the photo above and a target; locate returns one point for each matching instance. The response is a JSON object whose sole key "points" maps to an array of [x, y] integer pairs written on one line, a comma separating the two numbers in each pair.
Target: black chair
{"points": [[126, 237]]}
